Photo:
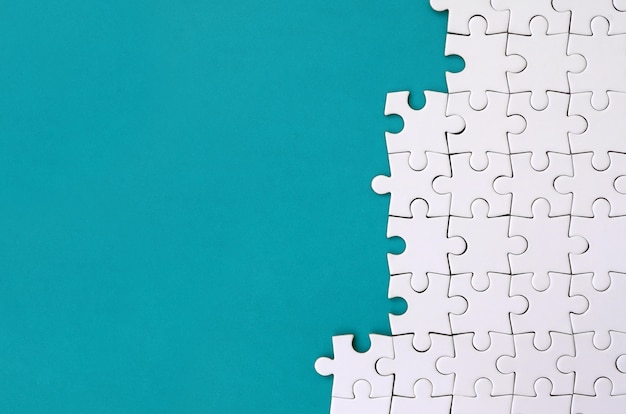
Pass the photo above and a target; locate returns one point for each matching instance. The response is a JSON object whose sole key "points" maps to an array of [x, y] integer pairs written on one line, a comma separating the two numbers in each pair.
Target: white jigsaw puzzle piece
{"points": [[584, 11], [602, 401], [606, 237], [543, 401], [363, 403], [424, 129], [488, 244], [549, 309], [588, 184], [461, 11], [470, 364], [546, 130], [348, 366], [426, 240], [547, 63], [529, 364], [480, 317], [486, 63], [528, 184], [522, 12], [410, 365], [591, 363], [485, 130], [549, 244], [406, 184], [483, 402], [427, 311], [466, 185], [606, 59], [423, 402], [606, 311], [605, 129]]}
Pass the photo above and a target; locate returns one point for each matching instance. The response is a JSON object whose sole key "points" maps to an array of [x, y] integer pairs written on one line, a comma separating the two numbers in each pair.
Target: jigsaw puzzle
{"points": [[510, 194]]}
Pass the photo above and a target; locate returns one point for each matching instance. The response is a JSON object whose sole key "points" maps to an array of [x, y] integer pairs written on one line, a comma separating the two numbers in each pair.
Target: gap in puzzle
{"points": [[510, 194]]}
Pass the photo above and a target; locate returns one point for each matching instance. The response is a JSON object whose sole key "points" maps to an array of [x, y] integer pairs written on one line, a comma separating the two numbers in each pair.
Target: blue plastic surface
{"points": [[185, 214]]}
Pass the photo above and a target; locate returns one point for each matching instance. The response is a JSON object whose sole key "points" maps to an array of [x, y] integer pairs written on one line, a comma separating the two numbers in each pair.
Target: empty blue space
{"points": [[186, 215]]}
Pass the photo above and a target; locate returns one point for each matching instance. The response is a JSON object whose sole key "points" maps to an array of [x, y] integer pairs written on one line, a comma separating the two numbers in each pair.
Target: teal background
{"points": [[186, 217]]}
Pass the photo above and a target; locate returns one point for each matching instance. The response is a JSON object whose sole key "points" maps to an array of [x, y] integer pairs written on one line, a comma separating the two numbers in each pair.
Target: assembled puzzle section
{"points": [[510, 194]]}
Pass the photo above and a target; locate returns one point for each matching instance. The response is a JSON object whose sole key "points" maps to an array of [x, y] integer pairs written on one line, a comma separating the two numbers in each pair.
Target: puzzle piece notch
{"points": [[488, 244], [488, 310], [601, 401], [529, 364], [604, 132], [548, 309], [427, 312], [606, 237], [410, 365], [466, 185], [406, 184], [547, 62], [587, 185], [470, 364], [606, 308], [605, 55], [591, 363], [461, 11], [485, 129], [546, 129], [549, 244], [522, 12], [583, 12], [348, 366], [424, 129], [362, 403], [543, 401], [423, 402], [486, 62], [427, 244]]}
